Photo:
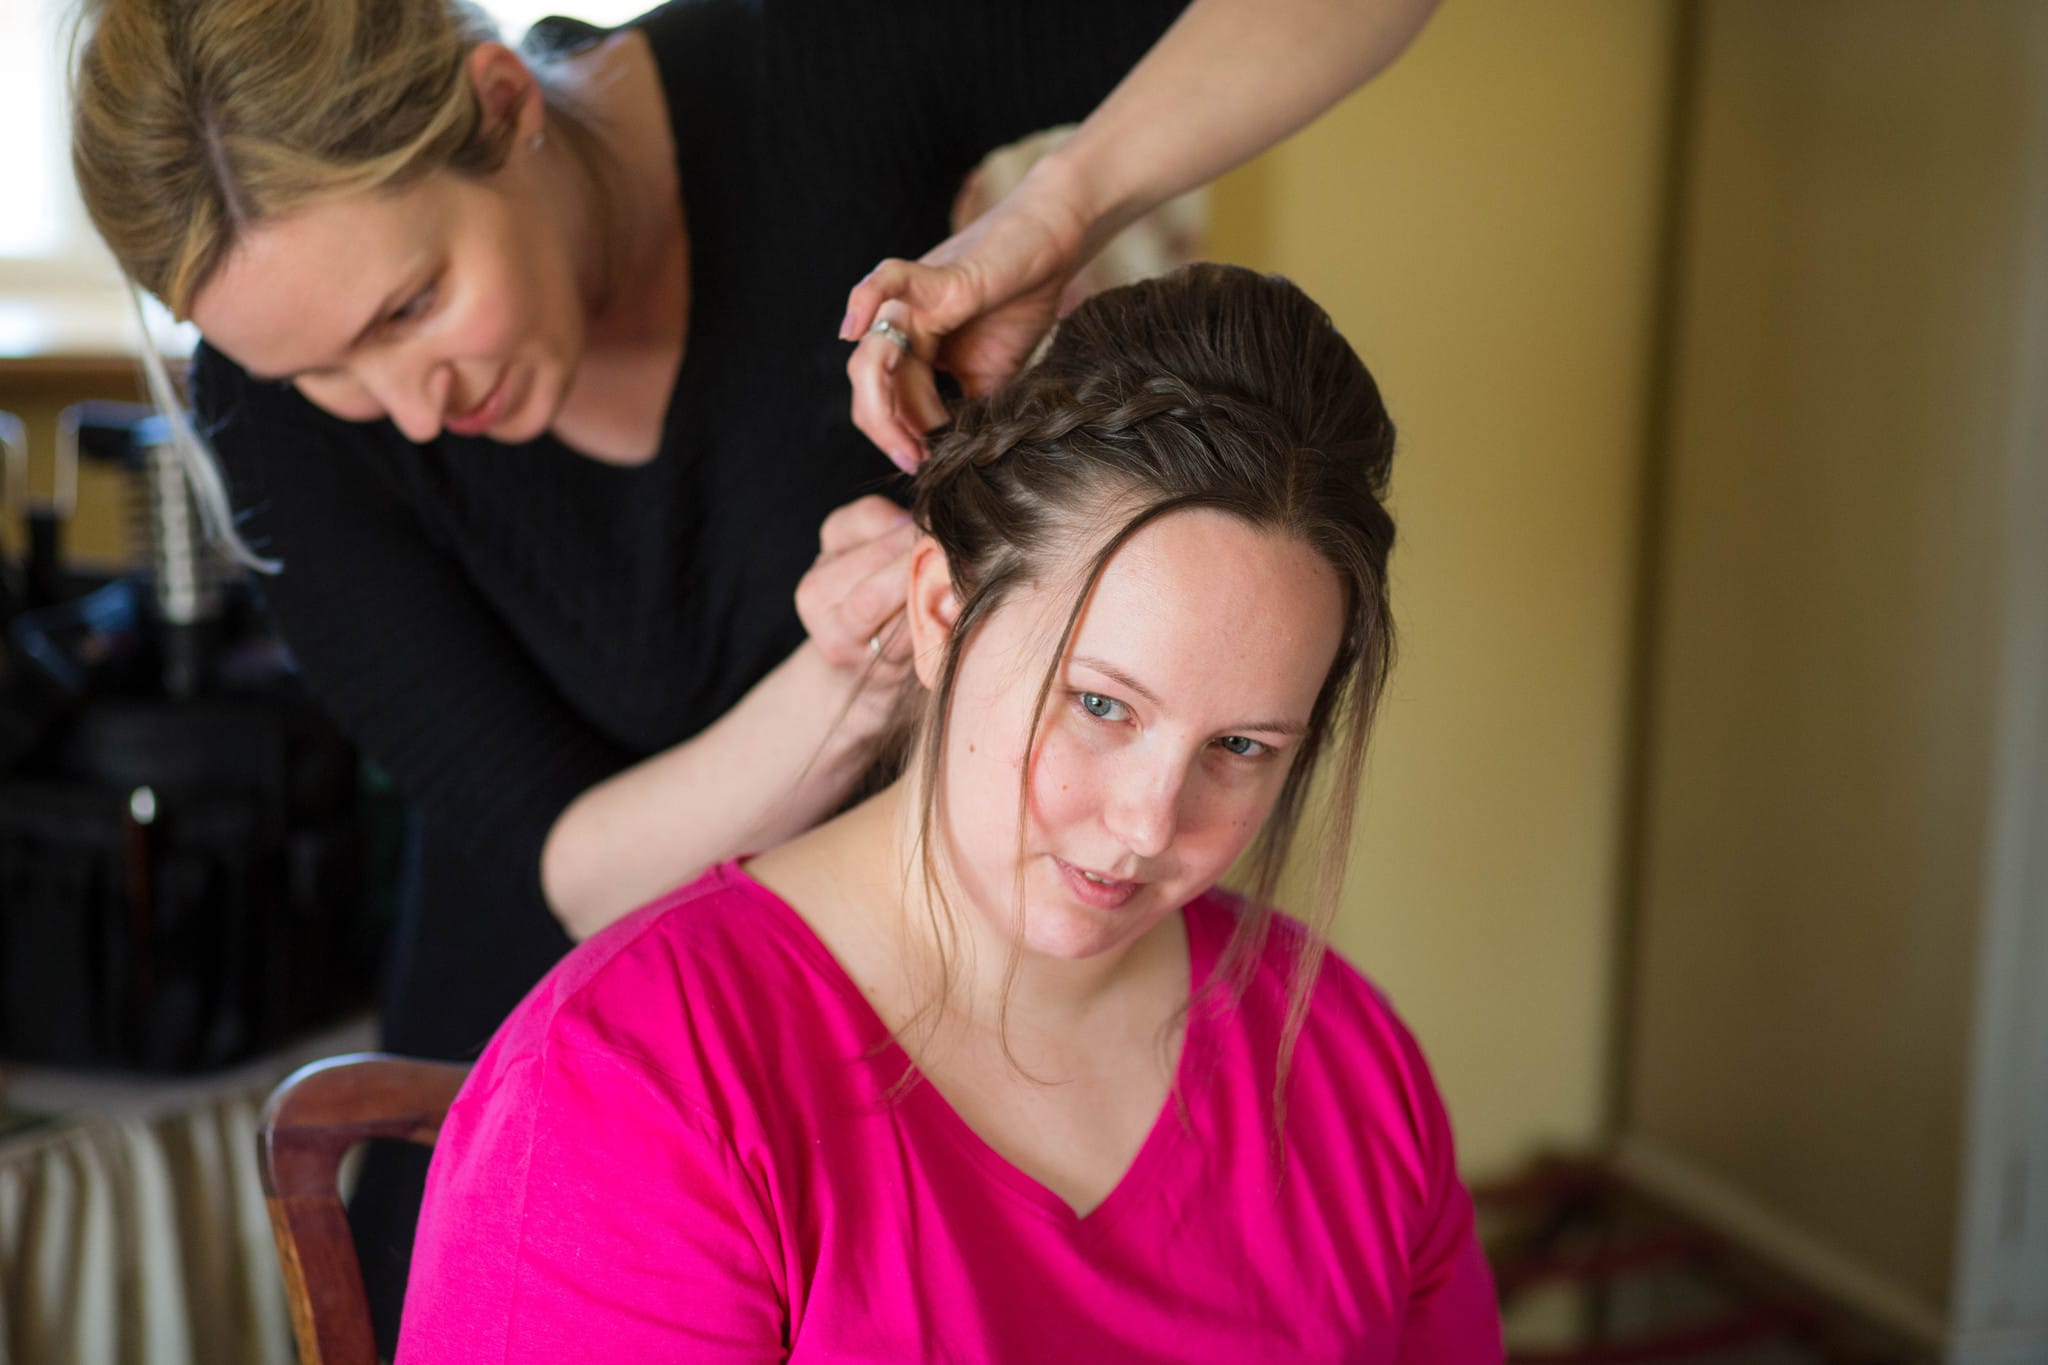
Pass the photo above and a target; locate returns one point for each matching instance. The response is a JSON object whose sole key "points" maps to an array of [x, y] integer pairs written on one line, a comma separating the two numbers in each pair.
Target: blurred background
{"points": [[1703, 840]]}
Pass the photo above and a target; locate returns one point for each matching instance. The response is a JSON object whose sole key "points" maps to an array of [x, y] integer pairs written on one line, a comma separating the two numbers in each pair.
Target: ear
{"points": [[507, 91], [931, 610]]}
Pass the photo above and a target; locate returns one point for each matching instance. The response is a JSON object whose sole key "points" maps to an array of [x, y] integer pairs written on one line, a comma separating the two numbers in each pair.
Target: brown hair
{"points": [[1213, 387]]}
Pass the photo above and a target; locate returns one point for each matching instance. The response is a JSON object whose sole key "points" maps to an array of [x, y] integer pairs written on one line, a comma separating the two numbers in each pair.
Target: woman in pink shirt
{"points": [[988, 1068]]}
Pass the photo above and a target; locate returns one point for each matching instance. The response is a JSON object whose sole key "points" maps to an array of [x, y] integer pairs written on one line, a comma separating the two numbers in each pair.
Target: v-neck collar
{"points": [[1171, 1127]]}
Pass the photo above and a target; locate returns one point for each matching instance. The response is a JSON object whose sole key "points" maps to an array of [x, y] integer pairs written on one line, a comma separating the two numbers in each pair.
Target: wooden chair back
{"points": [[312, 1120]]}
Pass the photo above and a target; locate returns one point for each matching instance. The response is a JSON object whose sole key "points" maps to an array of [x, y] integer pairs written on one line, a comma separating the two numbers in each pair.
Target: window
{"points": [[45, 241], [28, 107]]}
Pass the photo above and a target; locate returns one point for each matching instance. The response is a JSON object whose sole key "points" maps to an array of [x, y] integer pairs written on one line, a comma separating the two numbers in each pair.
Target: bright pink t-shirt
{"points": [[688, 1144]]}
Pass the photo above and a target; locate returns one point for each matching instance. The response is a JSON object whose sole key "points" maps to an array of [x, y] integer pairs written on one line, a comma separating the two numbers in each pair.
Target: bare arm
{"points": [[774, 765], [1229, 79]]}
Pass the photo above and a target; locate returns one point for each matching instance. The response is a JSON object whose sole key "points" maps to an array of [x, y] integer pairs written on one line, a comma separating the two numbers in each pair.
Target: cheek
{"points": [[494, 321], [1237, 809], [1223, 816], [1220, 814], [1066, 781], [984, 772], [507, 303]]}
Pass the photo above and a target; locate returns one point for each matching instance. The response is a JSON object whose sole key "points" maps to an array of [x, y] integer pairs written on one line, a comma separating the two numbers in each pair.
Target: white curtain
{"points": [[133, 1232]]}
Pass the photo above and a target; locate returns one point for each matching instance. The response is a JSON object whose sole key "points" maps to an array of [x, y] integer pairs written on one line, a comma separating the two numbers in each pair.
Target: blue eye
{"points": [[1099, 706], [414, 306], [1242, 747]]}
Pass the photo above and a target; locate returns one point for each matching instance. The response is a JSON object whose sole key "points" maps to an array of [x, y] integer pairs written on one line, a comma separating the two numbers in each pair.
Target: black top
{"points": [[502, 627]]}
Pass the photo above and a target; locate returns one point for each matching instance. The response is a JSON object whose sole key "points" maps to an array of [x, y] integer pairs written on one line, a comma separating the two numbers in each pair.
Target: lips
{"points": [[485, 414], [1096, 890]]}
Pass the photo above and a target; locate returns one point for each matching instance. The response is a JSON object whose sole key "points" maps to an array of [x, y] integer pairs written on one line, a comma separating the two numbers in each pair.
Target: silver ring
{"points": [[886, 328]]}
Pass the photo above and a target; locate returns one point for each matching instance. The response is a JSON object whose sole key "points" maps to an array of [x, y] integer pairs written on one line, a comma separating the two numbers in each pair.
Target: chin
{"points": [[528, 429], [1069, 950], [1067, 933], [535, 414]]}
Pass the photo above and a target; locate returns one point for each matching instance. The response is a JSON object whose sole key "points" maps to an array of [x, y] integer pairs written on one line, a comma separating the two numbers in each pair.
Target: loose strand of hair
{"points": [[196, 460], [1353, 711]]}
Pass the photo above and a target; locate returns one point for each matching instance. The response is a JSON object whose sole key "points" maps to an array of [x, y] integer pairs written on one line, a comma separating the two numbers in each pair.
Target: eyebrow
{"points": [[1122, 679], [391, 300]]}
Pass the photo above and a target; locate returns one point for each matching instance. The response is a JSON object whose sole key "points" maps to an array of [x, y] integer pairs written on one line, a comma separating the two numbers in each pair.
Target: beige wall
{"points": [[1817, 806], [1483, 222]]}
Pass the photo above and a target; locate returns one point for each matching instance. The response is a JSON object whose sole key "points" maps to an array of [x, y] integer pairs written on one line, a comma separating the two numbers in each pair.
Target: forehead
{"points": [[1201, 604], [296, 289]]}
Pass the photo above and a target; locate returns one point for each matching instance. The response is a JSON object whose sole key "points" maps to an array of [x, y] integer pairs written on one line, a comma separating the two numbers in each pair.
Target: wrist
{"points": [[1069, 192], [853, 709]]}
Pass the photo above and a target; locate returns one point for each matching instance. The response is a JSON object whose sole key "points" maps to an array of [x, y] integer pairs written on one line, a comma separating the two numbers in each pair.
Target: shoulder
{"points": [[670, 991], [1351, 1028], [631, 968], [225, 394], [1340, 991], [698, 36], [223, 391], [585, 1179], [250, 421], [695, 1028]]}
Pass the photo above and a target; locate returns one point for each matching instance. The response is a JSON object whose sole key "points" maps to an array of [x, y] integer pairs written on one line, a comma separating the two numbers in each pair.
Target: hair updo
{"points": [[1213, 387]]}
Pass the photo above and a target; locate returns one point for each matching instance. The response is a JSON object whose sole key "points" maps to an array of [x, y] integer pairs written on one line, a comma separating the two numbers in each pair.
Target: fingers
{"points": [[850, 596], [919, 401], [851, 572], [895, 400], [860, 626], [874, 609], [895, 397], [858, 522], [865, 299], [929, 294]]}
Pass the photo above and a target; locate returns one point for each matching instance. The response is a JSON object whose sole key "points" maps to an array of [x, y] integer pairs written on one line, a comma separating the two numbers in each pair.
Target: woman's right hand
{"points": [[851, 599], [974, 306]]}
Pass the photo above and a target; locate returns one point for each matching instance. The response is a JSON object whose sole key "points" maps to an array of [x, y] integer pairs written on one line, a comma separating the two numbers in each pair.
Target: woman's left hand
{"points": [[851, 599]]}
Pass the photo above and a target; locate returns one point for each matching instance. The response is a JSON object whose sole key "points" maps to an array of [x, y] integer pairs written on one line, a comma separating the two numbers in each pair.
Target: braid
{"points": [[1046, 416]]}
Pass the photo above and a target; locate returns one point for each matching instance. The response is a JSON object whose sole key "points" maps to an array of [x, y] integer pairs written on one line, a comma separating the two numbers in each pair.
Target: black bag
{"points": [[183, 883], [189, 870]]}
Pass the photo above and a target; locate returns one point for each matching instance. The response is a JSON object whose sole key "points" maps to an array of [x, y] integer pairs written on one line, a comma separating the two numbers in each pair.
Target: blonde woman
{"points": [[521, 368]]}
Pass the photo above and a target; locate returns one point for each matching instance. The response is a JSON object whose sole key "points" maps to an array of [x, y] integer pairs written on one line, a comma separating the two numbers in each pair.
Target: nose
{"points": [[412, 393], [1144, 812]]}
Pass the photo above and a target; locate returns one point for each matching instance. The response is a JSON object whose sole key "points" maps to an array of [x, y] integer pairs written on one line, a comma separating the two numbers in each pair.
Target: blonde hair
{"points": [[195, 120]]}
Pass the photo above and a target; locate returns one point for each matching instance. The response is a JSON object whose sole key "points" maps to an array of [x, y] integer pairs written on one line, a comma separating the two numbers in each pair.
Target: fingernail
{"points": [[846, 327]]}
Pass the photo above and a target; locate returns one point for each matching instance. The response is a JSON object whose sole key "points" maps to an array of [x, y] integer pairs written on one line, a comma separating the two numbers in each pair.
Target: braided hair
{"points": [[1214, 387]]}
